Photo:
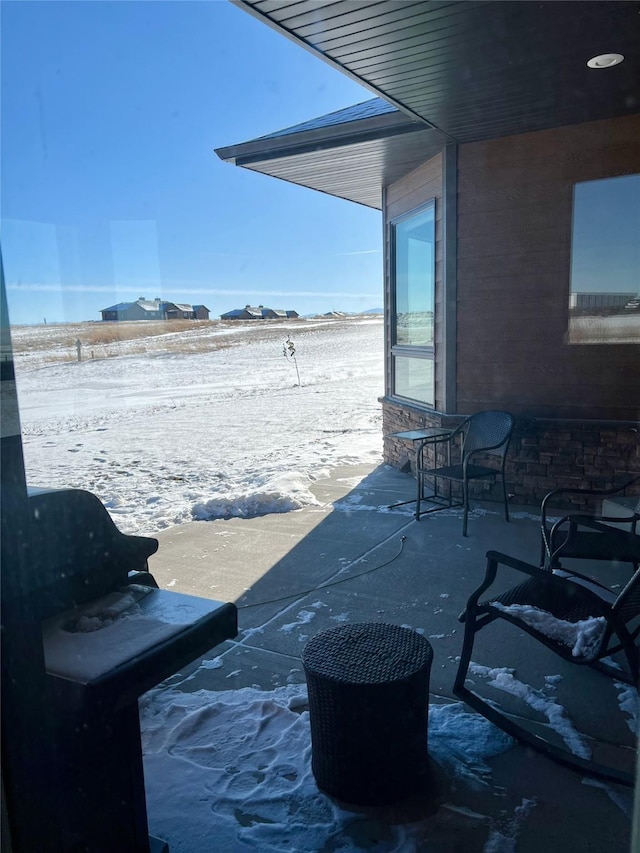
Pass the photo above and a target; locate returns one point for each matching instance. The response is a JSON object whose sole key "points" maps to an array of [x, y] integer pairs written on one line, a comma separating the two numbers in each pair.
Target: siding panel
{"points": [[514, 247], [429, 171]]}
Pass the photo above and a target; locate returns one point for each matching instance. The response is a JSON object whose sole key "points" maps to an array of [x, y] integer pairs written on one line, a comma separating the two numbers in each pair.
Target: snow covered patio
{"points": [[227, 746]]}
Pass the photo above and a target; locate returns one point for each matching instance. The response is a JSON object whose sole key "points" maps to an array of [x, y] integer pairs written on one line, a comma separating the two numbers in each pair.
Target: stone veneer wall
{"points": [[544, 454]]}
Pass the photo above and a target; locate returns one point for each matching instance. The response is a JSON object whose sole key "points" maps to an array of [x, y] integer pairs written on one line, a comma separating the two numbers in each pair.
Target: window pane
{"points": [[604, 304], [414, 240], [414, 378]]}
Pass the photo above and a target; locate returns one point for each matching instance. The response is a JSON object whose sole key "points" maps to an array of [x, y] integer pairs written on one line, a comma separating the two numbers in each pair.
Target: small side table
{"points": [[425, 437], [368, 689]]}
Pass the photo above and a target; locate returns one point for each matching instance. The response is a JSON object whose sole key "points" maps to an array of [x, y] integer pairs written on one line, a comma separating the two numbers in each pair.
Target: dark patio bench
{"points": [[109, 634]]}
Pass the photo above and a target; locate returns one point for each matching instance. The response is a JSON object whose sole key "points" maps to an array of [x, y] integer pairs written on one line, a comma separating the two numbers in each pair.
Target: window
{"points": [[413, 297], [604, 302]]}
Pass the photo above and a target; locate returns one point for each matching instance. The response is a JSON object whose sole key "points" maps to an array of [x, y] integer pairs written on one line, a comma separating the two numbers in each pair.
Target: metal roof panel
{"points": [[357, 112]]}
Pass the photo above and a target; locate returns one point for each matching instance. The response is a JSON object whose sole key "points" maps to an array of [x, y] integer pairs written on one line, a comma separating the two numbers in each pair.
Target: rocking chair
{"points": [[570, 598], [611, 535]]}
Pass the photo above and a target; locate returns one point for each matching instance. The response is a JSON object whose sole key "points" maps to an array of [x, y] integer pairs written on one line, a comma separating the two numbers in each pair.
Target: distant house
{"points": [[259, 313], [246, 313], [115, 312], [292, 315], [154, 309], [142, 309], [178, 311]]}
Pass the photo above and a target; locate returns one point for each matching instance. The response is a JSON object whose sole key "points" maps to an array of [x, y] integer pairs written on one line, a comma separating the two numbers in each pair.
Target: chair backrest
{"points": [[556, 542], [488, 431], [78, 551]]}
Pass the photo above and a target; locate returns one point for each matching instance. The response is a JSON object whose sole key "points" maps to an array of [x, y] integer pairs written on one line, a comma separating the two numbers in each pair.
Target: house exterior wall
{"points": [[136, 312], [179, 314], [515, 199], [577, 406]]}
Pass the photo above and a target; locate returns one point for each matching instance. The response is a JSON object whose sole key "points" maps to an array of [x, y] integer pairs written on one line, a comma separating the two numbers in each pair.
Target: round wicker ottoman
{"points": [[368, 708]]}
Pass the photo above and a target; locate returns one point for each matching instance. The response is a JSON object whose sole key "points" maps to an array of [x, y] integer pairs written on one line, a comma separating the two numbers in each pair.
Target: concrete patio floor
{"points": [[419, 574]]}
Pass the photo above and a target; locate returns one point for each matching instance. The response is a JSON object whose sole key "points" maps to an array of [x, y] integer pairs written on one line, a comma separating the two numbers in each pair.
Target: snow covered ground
{"points": [[231, 770], [203, 423], [238, 764]]}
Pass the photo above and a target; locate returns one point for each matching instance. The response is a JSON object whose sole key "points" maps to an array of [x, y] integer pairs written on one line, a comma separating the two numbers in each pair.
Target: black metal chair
{"points": [[593, 536], [571, 598], [484, 433]]}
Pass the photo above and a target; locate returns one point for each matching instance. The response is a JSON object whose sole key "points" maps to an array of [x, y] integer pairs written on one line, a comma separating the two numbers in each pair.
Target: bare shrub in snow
{"points": [[289, 351]]}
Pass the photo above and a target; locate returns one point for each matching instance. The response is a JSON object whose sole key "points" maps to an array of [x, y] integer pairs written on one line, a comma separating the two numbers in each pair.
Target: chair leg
{"points": [[615, 673], [419, 481], [465, 654], [524, 736], [504, 497], [521, 734], [465, 489], [633, 658]]}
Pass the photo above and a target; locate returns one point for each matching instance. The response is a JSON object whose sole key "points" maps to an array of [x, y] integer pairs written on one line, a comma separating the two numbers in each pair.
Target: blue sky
{"points": [[110, 186]]}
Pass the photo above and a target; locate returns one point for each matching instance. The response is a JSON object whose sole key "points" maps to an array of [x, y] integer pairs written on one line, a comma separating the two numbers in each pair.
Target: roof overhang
{"points": [[448, 72], [351, 159], [475, 70]]}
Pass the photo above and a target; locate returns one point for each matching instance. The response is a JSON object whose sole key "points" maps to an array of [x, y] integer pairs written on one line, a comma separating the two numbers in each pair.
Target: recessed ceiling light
{"points": [[605, 60]]}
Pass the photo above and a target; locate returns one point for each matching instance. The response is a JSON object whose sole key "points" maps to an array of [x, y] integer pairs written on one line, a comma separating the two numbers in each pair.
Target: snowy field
{"points": [[206, 422]]}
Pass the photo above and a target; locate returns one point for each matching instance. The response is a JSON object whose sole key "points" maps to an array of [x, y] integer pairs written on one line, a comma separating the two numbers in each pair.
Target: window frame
{"points": [[416, 351]]}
